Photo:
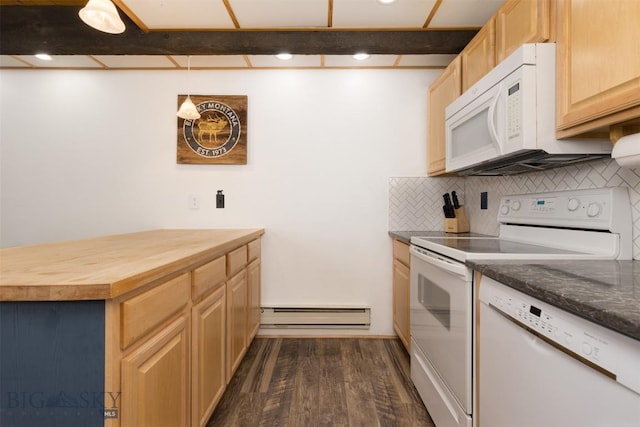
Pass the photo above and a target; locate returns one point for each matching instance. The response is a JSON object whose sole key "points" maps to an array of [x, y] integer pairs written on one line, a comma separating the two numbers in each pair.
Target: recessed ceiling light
{"points": [[43, 56], [386, 1], [361, 56], [284, 56]]}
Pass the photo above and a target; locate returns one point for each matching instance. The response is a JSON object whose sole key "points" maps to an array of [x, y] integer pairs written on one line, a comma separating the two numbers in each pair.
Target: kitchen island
{"points": [[128, 330]]}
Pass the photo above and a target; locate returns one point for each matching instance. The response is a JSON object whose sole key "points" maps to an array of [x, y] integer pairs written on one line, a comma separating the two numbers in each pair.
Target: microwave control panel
{"points": [[514, 111]]}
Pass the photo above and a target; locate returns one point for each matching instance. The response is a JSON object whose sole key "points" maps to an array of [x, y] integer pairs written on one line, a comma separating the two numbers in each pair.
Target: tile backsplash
{"points": [[416, 203]]}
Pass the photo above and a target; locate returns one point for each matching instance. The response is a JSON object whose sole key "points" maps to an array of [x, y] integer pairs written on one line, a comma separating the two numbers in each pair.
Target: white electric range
{"points": [[576, 224]]}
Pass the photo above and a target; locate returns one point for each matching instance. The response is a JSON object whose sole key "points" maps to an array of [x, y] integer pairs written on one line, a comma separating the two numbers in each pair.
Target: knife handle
{"points": [[456, 202]]}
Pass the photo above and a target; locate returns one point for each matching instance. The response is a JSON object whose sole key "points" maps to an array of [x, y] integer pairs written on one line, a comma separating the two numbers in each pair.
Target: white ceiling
{"points": [[187, 15]]}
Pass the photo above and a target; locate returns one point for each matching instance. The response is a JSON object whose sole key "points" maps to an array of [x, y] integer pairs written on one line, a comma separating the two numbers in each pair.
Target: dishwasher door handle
{"points": [[451, 266]]}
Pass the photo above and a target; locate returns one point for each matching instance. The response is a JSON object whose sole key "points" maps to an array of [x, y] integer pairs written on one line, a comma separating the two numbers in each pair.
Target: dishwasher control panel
{"points": [[608, 352], [554, 327]]}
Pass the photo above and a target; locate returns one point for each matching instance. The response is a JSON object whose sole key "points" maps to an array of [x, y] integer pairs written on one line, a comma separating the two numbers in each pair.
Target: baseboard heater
{"points": [[315, 317]]}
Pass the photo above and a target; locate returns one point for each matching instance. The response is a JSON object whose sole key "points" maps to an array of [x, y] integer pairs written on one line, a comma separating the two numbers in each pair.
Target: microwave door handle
{"points": [[491, 119]]}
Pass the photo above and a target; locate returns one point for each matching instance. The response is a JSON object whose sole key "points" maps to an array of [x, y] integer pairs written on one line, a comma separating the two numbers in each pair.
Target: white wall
{"points": [[87, 153]]}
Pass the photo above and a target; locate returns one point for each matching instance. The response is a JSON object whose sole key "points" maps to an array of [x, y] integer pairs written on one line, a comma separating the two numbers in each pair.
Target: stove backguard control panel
{"points": [[594, 209]]}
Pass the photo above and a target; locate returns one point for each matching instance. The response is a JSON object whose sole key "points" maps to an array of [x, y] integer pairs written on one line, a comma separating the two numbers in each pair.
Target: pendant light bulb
{"points": [[102, 15], [188, 110]]}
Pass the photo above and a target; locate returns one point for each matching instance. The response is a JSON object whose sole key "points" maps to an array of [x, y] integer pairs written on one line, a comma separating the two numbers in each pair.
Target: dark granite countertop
{"points": [[604, 292]]}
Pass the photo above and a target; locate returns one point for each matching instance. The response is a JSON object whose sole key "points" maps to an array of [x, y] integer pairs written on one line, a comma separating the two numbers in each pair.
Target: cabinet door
{"points": [[401, 283], [598, 80], [208, 363], [253, 314], [444, 90], [155, 379], [479, 56], [236, 321], [522, 21]]}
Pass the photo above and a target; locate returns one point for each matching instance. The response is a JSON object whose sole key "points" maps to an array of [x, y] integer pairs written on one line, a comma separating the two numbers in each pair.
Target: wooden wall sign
{"points": [[219, 136]]}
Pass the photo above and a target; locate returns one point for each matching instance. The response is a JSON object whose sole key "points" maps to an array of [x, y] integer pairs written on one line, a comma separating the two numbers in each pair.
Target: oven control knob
{"points": [[504, 210], [516, 206], [573, 204], [586, 348], [593, 210]]}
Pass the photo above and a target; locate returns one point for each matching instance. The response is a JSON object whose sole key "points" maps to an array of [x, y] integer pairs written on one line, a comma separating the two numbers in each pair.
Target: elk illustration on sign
{"points": [[219, 136], [212, 126]]}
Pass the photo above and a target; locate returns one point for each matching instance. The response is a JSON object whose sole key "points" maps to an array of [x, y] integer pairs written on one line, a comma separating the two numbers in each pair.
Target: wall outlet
{"points": [[194, 201]]}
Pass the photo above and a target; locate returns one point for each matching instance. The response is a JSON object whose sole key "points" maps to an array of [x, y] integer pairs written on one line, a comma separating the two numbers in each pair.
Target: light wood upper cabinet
{"points": [[598, 64], [479, 56], [444, 90], [401, 290], [523, 21]]}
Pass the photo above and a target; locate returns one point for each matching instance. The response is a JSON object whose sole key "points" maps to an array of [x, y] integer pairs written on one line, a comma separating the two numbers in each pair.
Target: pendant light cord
{"points": [[189, 75]]}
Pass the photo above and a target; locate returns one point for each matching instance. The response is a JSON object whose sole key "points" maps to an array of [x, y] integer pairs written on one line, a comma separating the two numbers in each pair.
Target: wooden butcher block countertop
{"points": [[110, 266]]}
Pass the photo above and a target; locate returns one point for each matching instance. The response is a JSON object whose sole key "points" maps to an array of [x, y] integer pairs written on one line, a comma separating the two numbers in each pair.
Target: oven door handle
{"points": [[451, 266]]}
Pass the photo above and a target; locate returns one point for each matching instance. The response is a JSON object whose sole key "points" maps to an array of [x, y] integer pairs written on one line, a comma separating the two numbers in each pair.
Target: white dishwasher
{"points": [[541, 366]]}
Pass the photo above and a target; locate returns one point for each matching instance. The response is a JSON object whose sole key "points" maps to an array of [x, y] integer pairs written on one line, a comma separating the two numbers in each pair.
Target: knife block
{"points": [[459, 224]]}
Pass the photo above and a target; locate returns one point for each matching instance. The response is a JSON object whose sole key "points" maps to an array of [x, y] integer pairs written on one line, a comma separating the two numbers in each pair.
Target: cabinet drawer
{"points": [[209, 276], [144, 312], [401, 252], [236, 260], [254, 250]]}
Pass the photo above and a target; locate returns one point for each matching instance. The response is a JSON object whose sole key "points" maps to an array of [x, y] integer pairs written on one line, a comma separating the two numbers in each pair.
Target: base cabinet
{"points": [[156, 377], [236, 321], [175, 375], [208, 361], [401, 289], [183, 339], [253, 286]]}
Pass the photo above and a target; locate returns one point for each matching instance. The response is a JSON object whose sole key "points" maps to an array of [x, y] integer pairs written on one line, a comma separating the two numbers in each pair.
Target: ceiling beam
{"points": [[57, 30]]}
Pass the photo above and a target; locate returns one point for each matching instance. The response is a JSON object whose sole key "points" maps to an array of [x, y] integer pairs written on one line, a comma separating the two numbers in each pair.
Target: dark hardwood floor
{"points": [[304, 382]]}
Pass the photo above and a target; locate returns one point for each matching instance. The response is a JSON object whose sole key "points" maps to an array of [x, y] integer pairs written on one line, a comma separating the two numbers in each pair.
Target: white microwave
{"points": [[505, 123]]}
